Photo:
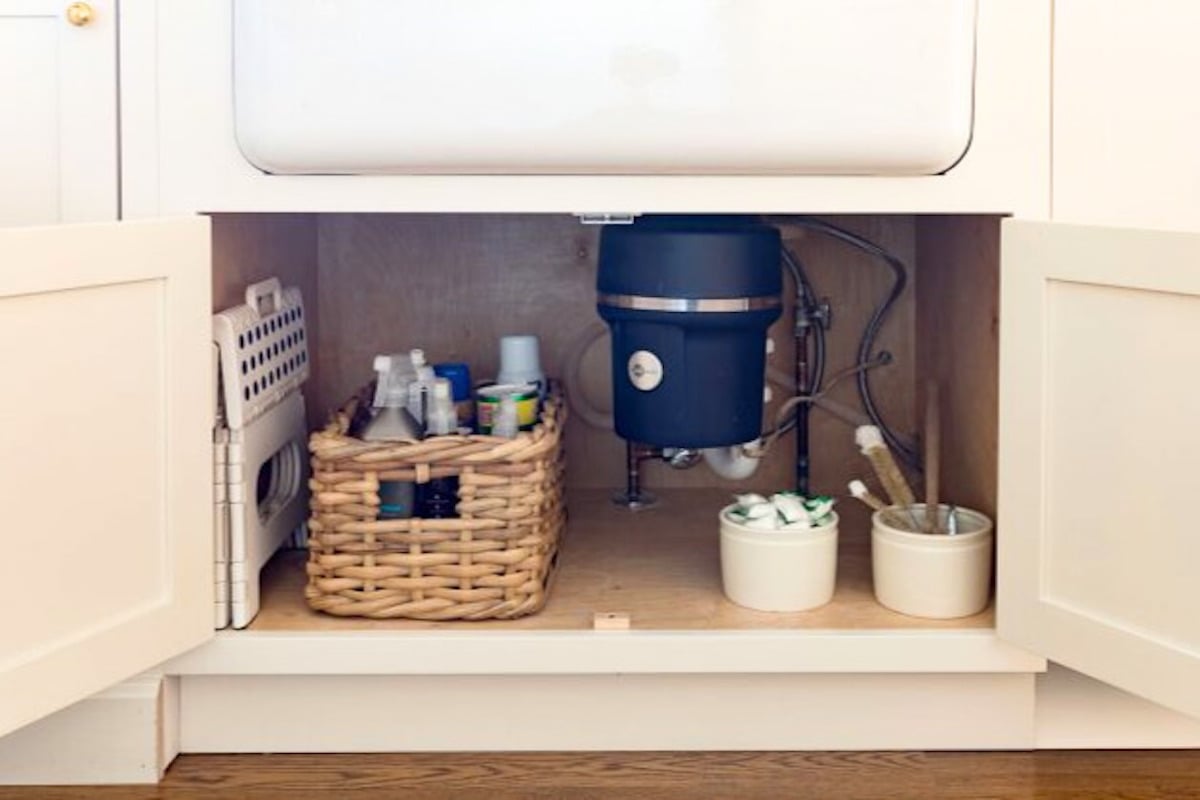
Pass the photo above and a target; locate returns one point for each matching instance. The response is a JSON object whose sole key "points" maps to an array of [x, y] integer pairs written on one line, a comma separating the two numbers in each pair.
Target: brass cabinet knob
{"points": [[80, 14]]}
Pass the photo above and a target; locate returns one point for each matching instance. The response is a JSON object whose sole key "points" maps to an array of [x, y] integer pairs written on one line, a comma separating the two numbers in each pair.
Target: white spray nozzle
{"points": [[393, 374], [422, 371]]}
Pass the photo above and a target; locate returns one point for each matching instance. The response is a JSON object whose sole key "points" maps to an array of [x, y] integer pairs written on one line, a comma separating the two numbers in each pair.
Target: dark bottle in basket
{"points": [[438, 499]]}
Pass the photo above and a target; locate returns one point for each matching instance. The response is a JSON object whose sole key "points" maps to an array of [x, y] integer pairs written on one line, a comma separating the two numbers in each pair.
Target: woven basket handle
{"points": [[255, 293]]}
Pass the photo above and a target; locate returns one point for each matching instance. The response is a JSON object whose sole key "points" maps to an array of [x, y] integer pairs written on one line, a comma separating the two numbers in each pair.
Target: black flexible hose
{"points": [[807, 295], [802, 372], [867, 343]]}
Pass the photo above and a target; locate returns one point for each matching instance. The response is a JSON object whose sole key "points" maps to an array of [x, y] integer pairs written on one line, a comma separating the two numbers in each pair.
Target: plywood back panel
{"points": [[855, 283], [248, 248], [958, 306], [453, 284]]}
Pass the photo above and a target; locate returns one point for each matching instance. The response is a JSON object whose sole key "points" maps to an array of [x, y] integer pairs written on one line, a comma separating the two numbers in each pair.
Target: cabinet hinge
{"points": [[607, 218]]}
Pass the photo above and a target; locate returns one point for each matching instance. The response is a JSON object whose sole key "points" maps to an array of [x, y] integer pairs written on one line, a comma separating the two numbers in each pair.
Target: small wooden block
{"points": [[610, 621]]}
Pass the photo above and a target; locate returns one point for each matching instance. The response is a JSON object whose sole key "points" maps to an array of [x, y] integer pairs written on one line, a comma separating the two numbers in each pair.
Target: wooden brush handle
{"points": [[933, 457]]}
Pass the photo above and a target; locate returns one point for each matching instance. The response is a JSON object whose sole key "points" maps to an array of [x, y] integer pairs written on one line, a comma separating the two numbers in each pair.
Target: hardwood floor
{"points": [[1044, 775]]}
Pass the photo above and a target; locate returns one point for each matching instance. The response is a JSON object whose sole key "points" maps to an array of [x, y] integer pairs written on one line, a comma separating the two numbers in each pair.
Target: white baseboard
{"points": [[132, 732], [116, 736], [1077, 712], [361, 713], [168, 723]]}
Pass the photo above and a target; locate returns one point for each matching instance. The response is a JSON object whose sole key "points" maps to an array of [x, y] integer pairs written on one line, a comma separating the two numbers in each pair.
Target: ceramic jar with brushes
{"points": [[932, 575], [779, 554], [934, 565]]}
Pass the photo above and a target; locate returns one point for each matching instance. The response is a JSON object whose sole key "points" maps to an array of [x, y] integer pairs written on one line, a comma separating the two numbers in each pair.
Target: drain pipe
{"points": [[731, 463]]}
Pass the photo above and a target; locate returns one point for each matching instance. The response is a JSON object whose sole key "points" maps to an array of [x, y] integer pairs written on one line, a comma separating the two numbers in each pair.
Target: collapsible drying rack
{"points": [[260, 441]]}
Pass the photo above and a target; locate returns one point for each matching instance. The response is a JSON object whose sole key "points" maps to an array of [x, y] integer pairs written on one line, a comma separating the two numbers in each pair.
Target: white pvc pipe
{"points": [[730, 462], [576, 395]]}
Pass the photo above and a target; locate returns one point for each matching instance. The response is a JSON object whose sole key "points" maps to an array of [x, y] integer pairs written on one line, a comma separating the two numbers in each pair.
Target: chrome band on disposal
{"points": [[691, 305]]}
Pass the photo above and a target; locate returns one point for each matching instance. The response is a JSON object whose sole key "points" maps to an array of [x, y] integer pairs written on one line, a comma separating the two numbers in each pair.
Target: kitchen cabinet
{"points": [[1082, 395], [58, 112], [956, 256], [1126, 118]]}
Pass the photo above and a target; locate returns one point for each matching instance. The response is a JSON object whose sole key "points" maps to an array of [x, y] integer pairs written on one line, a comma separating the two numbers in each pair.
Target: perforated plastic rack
{"points": [[260, 441], [264, 351]]}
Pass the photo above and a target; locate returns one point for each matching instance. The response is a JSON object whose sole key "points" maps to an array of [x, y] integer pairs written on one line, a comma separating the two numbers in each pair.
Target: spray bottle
{"points": [[420, 388], [438, 499], [392, 422]]}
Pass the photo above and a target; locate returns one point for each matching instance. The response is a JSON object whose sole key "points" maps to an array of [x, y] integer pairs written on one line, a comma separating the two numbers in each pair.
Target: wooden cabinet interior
{"points": [[660, 567], [958, 345], [453, 284]]}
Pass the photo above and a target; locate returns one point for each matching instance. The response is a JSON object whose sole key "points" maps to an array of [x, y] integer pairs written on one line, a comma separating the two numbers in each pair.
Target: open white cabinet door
{"points": [[1099, 548], [105, 456]]}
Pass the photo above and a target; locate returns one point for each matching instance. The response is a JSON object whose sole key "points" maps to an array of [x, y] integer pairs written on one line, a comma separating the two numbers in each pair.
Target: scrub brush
{"points": [[860, 492], [870, 442]]}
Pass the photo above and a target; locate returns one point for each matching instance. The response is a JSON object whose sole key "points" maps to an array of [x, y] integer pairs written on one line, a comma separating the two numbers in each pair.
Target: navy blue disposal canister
{"points": [[689, 301]]}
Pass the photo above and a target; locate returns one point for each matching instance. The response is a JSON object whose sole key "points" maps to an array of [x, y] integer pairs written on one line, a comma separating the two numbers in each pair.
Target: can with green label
{"points": [[487, 404]]}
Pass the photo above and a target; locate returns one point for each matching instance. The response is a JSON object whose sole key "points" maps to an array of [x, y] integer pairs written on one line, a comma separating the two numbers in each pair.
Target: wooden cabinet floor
{"points": [[1041, 775]]}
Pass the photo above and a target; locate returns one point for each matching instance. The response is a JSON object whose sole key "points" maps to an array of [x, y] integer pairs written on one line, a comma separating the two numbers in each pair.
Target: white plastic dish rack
{"points": [[259, 442]]}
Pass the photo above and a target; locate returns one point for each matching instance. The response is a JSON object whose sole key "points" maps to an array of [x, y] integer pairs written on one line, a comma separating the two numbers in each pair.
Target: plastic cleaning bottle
{"points": [[438, 498], [520, 363], [459, 375], [421, 387], [441, 417], [506, 424], [393, 423]]}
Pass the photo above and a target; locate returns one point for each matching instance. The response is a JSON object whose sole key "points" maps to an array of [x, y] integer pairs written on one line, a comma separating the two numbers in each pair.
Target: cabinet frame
{"points": [[180, 154]]}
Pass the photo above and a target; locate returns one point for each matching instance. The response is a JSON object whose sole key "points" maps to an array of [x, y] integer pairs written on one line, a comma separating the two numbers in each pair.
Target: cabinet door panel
{"points": [[58, 114], [1099, 549], [105, 456], [1126, 113]]}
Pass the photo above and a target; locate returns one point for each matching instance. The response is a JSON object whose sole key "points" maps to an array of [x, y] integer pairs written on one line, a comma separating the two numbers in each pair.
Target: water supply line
{"points": [[866, 355], [810, 319], [635, 498]]}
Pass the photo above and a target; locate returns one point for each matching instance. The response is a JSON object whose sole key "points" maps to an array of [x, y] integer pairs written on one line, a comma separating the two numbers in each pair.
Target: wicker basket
{"points": [[495, 561]]}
